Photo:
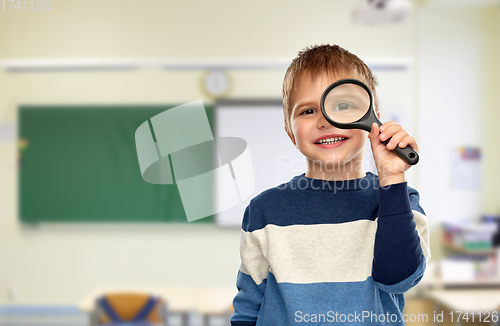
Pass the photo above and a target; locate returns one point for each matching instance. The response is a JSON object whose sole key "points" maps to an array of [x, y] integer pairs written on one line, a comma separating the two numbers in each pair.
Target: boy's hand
{"points": [[390, 166]]}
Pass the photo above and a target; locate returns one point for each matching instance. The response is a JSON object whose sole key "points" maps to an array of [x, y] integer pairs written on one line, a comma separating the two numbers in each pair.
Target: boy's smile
{"points": [[330, 141], [331, 153]]}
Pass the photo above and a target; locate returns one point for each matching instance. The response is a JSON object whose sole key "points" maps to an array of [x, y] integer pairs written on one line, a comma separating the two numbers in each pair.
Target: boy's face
{"points": [[308, 126]]}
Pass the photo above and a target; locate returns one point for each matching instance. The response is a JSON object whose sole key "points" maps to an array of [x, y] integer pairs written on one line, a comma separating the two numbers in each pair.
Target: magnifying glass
{"points": [[348, 104]]}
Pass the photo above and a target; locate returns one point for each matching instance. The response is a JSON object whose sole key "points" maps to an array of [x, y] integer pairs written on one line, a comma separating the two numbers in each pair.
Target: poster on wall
{"points": [[466, 168]]}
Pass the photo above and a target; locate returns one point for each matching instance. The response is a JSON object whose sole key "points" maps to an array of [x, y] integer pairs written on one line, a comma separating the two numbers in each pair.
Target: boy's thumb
{"points": [[373, 135]]}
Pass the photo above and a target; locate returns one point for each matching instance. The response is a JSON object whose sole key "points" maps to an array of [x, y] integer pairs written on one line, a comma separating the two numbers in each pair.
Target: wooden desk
{"points": [[467, 300], [476, 296], [207, 301]]}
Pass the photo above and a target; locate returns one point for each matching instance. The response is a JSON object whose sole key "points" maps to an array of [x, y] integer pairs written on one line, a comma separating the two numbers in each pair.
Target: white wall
{"points": [[60, 263], [458, 105]]}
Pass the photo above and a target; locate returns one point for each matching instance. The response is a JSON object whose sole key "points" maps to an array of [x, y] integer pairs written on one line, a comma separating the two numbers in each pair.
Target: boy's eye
{"points": [[308, 111], [343, 106]]}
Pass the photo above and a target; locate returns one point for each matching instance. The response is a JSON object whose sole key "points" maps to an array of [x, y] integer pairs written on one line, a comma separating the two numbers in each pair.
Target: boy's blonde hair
{"points": [[319, 59]]}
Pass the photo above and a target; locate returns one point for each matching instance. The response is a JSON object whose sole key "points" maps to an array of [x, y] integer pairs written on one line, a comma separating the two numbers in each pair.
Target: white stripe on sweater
{"points": [[316, 253]]}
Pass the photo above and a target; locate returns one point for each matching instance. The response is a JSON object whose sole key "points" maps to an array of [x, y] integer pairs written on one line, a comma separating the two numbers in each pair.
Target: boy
{"points": [[334, 245]]}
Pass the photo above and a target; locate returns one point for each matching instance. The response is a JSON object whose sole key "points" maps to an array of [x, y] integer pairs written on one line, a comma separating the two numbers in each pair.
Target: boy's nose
{"points": [[322, 123]]}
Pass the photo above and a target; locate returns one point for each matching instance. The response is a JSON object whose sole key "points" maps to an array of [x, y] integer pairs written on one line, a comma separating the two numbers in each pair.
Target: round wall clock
{"points": [[216, 83]]}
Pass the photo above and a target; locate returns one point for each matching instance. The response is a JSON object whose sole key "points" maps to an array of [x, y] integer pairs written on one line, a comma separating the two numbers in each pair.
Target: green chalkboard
{"points": [[79, 164]]}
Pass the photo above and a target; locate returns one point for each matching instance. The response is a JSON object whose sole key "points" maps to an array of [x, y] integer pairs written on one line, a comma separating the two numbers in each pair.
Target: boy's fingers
{"points": [[390, 131], [399, 136], [396, 139], [409, 140], [386, 125]]}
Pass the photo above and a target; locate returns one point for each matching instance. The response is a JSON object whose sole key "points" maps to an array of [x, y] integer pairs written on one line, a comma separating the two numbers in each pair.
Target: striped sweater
{"points": [[330, 252]]}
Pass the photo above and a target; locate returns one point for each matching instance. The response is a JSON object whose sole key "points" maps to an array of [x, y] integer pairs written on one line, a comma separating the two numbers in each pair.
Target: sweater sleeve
{"points": [[251, 279], [401, 248]]}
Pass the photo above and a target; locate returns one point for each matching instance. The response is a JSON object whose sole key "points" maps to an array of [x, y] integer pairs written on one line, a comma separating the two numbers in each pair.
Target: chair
{"points": [[130, 309]]}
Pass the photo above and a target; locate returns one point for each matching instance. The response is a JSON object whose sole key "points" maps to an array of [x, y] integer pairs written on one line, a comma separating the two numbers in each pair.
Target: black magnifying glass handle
{"points": [[407, 154]]}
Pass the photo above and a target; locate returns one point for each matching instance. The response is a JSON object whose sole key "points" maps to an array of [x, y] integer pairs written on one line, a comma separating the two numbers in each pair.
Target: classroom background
{"points": [[439, 75]]}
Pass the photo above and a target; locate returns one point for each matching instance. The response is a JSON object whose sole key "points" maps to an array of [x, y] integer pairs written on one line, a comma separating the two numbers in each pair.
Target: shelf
{"points": [[467, 251]]}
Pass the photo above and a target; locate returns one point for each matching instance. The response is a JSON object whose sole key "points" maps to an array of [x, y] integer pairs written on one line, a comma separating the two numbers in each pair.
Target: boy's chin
{"points": [[335, 164]]}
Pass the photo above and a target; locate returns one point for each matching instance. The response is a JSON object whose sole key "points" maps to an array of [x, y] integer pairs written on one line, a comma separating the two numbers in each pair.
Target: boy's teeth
{"points": [[330, 140]]}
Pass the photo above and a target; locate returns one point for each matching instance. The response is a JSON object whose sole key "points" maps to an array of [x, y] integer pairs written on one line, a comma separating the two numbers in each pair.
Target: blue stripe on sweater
{"points": [[277, 205], [291, 304], [248, 300]]}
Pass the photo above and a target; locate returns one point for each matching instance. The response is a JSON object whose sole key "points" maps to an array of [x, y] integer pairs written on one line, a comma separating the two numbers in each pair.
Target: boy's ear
{"points": [[292, 138]]}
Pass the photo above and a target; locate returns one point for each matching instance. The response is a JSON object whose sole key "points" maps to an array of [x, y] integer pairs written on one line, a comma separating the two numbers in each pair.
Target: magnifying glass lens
{"points": [[347, 103]]}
